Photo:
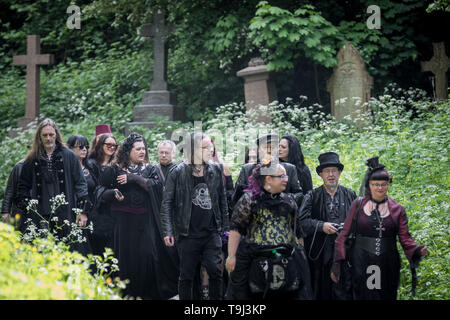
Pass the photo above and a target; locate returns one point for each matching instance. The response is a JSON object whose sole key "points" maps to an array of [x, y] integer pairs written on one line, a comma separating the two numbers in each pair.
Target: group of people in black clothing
{"points": [[184, 228]]}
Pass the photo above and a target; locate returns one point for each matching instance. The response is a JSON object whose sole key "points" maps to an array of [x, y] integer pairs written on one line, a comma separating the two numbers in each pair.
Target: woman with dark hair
{"points": [[135, 197], [290, 151], [267, 263], [80, 146], [376, 220], [100, 157], [103, 152]]}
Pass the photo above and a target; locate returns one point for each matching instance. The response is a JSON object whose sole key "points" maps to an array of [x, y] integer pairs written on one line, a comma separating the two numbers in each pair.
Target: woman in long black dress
{"points": [[80, 146], [290, 151], [138, 245], [378, 221], [100, 157]]}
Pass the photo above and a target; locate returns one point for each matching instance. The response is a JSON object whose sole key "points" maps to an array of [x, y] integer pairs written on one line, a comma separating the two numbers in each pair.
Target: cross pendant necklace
{"points": [[380, 229]]}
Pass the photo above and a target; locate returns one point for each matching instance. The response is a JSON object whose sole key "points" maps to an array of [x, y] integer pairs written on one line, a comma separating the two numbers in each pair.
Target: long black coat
{"points": [[70, 178]]}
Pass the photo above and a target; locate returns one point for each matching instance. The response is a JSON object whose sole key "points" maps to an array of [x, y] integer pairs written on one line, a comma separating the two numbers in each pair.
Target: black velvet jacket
{"points": [[313, 214], [70, 178]]}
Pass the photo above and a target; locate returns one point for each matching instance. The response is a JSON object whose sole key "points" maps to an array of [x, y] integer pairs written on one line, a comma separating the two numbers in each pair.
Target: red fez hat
{"points": [[102, 128]]}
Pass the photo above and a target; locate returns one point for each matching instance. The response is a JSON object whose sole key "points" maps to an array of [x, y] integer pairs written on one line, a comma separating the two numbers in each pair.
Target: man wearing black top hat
{"points": [[265, 146], [322, 215]]}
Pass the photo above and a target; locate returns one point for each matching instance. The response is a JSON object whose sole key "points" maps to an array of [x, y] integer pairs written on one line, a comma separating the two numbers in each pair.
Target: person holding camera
{"points": [[264, 259], [322, 214]]}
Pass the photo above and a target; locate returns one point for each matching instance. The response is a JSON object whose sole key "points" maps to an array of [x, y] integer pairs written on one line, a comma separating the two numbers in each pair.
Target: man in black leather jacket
{"points": [[10, 199], [264, 145], [194, 213]]}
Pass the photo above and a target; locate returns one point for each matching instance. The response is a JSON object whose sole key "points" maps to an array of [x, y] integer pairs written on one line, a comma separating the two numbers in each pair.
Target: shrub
{"points": [[45, 270]]}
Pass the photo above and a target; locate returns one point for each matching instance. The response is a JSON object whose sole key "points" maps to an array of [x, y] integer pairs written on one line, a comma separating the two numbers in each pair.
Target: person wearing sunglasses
{"points": [[322, 214], [100, 157], [374, 256], [264, 259], [80, 146]]}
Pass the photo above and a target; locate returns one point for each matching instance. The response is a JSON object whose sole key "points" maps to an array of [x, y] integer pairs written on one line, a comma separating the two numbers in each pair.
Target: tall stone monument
{"points": [[350, 83], [258, 87], [438, 65], [33, 60], [158, 101]]}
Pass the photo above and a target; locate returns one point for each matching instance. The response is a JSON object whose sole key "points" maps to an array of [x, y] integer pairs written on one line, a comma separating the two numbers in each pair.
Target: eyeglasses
{"points": [[110, 145], [283, 176], [330, 171], [82, 147], [377, 185]]}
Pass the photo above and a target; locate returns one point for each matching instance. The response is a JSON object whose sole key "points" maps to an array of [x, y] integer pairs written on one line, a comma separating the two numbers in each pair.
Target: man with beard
{"points": [[322, 215], [51, 169]]}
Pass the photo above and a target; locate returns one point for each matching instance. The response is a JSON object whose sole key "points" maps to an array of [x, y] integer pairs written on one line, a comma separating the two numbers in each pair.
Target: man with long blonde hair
{"points": [[51, 169]]}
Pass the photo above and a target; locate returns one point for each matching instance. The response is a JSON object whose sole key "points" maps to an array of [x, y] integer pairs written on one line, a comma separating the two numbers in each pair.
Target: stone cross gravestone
{"points": [[438, 65], [158, 101], [33, 59], [259, 89], [350, 83]]}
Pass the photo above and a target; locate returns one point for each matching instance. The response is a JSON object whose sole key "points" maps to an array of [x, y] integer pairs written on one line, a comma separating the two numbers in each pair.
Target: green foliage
{"points": [[288, 34], [107, 87], [45, 270], [443, 5], [48, 19]]}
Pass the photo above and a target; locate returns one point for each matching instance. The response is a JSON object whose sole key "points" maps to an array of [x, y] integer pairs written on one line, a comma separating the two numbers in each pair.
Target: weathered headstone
{"points": [[33, 59], [438, 65], [259, 89], [350, 83], [158, 101]]}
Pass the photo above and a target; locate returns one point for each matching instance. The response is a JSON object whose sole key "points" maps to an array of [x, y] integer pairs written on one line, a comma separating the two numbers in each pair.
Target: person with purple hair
{"points": [[267, 263]]}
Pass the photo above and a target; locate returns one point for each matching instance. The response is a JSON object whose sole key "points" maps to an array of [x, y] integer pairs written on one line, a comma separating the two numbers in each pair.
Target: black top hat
{"points": [[329, 159], [266, 139]]}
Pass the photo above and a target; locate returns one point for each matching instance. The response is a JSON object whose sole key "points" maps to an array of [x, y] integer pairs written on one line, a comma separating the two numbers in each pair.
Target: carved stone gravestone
{"points": [[258, 87], [33, 59], [158, 101], [438, 65], [350, 83]]}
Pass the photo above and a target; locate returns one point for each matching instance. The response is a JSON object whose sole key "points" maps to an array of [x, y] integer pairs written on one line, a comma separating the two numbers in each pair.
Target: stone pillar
{"points": [[259, 89]]}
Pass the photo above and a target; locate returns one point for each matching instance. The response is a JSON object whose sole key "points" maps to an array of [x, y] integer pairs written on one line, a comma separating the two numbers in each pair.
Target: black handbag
{"points": [[274, 269], [350, 241]]}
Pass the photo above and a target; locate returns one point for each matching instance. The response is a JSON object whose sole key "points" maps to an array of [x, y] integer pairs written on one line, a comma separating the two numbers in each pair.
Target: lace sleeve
{"points": [[242, 214]]}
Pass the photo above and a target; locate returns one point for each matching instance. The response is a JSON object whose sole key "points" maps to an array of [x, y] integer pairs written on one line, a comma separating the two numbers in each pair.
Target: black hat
{"points": [[329, 159], [266, 139]]}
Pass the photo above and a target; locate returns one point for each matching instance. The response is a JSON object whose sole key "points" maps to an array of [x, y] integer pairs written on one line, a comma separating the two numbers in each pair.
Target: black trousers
{"points": [[207, 251]]}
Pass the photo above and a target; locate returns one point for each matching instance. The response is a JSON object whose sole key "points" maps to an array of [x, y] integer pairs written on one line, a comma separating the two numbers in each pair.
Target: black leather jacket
{"points": [[10, 199], [177, 204], [293, 185]]}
